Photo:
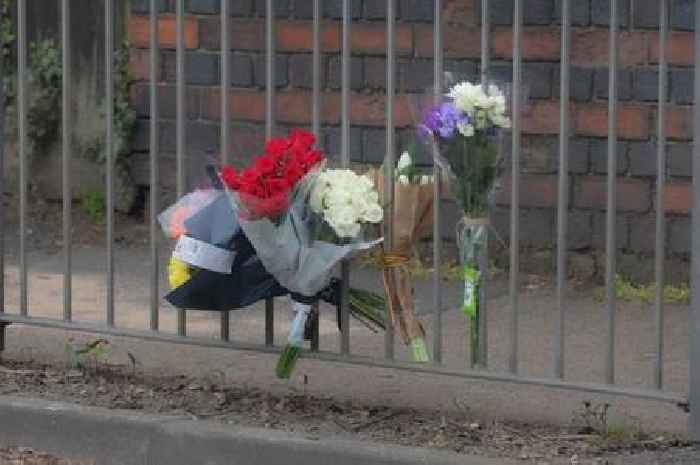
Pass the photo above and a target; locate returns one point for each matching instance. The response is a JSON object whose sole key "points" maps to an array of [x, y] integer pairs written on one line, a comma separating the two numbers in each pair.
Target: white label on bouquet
{"points": [[203, 255]]}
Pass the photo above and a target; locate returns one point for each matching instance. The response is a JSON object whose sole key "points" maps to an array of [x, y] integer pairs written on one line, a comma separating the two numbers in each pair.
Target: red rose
{"points": [[230, 177], [302, 139], [277, 147], [266, 165]]}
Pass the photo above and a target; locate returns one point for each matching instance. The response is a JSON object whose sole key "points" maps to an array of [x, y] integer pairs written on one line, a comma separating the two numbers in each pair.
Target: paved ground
{"points": [[585, 343]]}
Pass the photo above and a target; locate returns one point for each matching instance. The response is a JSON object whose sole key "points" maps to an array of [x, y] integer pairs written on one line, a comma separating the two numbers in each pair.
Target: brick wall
{"points": [[638, 87]]}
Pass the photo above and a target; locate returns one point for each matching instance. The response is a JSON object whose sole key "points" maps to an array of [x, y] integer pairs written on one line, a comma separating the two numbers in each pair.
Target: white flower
{"points": [[345, 200], [466, 129], [405, 161]]}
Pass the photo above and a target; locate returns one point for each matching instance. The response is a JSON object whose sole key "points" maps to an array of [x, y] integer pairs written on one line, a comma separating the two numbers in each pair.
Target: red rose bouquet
{"points": [[265, 189]]}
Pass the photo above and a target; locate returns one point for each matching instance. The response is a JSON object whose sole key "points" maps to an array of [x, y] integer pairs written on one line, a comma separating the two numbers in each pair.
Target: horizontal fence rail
{"points": [[479, 368]]}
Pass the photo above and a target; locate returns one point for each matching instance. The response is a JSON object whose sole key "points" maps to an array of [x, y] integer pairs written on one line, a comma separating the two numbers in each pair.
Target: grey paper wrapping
{"points": [[288, 249]]}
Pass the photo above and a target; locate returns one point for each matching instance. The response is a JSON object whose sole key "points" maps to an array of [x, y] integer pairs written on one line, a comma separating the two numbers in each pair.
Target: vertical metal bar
{"points": [[484, 253], [22, 114], [390, 152], [109, 155], [694, 359], [563, 207], [660, 249], [515, 187], [485, 33], [437, 193], [224, 326], [66, 151], [315, 332], [345, 161], [3, 334], [180, 124], [154, 149], [611, 241], [316, 121], [270, 82], [269, 322], [3, 115]]}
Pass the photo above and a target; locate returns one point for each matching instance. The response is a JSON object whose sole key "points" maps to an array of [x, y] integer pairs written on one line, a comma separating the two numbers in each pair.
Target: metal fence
{"points": [[557, 379]]}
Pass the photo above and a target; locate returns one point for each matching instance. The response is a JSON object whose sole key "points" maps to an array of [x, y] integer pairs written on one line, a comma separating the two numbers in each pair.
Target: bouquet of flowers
{"points": [[302, 220], [462, 130], [412, 221]]}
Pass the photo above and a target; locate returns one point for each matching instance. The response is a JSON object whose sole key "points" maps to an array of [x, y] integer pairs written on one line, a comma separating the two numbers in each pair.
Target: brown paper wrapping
{"points": [[413, 221]]}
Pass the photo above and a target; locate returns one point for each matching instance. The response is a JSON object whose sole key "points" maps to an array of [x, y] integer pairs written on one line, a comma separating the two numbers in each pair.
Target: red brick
{"points": [[679, 123], [680, 50], [679, 197], [139, 65], [295, 107], [371, 38], [592, 120], [541, 117], [457, 42], [298, 36], [537, 191], [139, 32], [591, 46], [632, 195], [538, 44]]}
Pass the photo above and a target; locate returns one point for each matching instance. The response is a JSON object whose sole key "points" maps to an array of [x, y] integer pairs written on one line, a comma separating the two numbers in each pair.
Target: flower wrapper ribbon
{"points": [[412, 221]]}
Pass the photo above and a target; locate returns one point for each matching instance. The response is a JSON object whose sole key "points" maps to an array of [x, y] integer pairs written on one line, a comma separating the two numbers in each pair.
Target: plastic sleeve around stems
{"points": [[301, 314]]}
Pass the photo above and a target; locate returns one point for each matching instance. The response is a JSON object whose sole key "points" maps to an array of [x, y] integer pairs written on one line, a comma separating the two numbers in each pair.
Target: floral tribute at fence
{"points": [[462, 132], [278, 227]]}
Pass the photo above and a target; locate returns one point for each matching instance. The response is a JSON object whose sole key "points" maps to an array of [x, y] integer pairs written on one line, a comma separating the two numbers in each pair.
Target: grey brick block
{"points": [[580, 83], [202, 69], [416, 75], [206, 7], [280, 71], [681, 83], [643, 234], [580, 12], [624, 84], [683, 15], [646, 14], [143, 6], [646, 85], [375, 73], [621, 231], [579, 149], [580, 230], [599, 156], [463, 69], [376, 10], [203, 137], [330, 9], [538, 79], [282, 8], [679, 237], [680, 160], [414, 10], [374, 146], [642, 156], [356, 73], [537, 229], [600, 12], [332, 143], [241, 71]]}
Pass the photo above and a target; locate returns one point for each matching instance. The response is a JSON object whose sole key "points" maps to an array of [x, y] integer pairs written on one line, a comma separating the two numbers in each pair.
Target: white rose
{"points": [[374, 214], [466, 129]]}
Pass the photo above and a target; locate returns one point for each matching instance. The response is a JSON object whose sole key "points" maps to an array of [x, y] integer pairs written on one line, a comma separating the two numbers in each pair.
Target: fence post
{"points": [[694, 378]]}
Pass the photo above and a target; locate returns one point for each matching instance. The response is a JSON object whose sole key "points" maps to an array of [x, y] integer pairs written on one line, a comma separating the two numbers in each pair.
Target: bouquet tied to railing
{"points": [[462, 131], [302, 220]]}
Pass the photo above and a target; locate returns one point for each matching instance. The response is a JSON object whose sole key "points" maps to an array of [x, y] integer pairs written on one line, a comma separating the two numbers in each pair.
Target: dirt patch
{"points": [[27, 456], [214, 398]]}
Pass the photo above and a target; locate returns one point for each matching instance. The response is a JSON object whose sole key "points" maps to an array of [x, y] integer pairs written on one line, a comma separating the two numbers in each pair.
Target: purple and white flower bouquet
{"points": [[462, 130]]}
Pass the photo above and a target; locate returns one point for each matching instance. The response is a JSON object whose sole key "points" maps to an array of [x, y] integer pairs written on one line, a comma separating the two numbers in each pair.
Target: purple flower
{"points": [[443, 121]]}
